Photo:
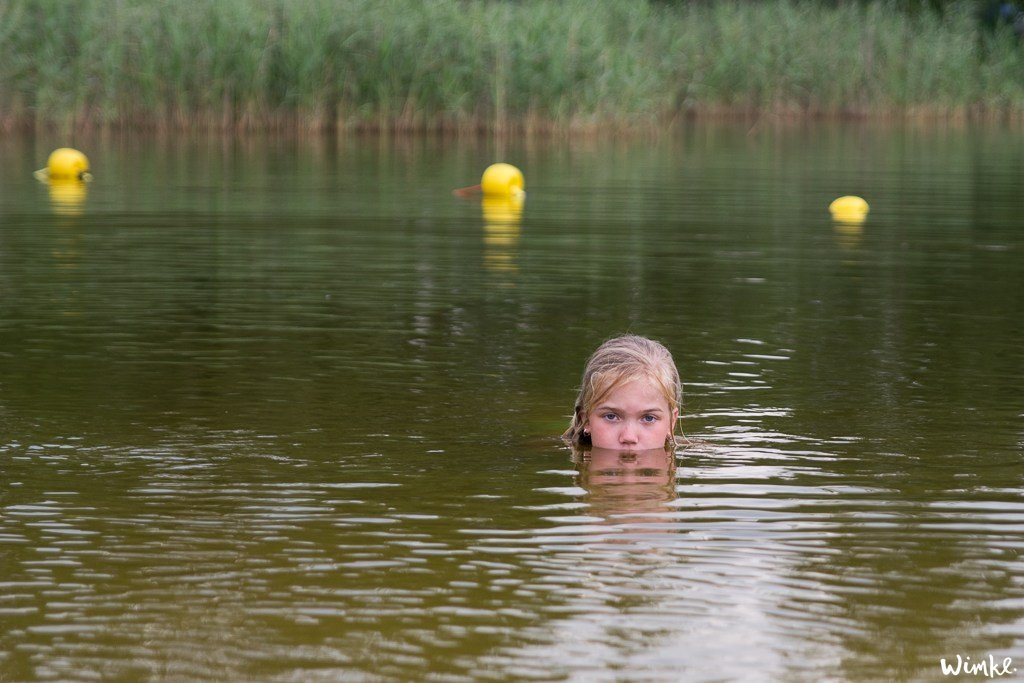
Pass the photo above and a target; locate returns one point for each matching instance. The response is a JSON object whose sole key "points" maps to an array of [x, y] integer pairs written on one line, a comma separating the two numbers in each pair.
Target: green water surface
{"points": [[287, 410]]}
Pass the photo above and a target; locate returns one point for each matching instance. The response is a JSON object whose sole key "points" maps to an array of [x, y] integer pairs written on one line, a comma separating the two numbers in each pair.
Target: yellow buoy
{"points": [[65, 164], [849, 209], [502, 180]]}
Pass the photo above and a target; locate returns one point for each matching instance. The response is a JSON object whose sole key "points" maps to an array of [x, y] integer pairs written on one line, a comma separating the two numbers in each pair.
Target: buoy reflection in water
{"points": [[67, 197], [502, 216], [848, 235]]}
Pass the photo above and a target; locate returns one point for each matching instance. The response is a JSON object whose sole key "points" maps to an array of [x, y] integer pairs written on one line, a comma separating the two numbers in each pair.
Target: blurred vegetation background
{"points": [[499, 64]]}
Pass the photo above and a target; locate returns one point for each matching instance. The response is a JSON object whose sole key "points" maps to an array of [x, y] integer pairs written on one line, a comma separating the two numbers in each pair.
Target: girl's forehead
{"points": [[646, 388]]}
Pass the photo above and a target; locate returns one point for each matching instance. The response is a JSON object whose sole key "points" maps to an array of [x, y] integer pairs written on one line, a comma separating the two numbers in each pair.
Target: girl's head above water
{"points": [[629, 397]]}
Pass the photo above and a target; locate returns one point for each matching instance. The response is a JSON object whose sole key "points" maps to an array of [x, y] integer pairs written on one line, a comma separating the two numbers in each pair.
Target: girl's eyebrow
{"points": [[608, 406]]}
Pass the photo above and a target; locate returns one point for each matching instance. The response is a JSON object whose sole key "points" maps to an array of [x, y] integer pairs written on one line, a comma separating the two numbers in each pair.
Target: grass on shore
{"points": [[491, 64]]}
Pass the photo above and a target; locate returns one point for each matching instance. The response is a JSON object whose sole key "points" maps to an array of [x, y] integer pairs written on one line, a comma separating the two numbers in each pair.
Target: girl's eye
{"points": [[609, 416], [649, 418]]}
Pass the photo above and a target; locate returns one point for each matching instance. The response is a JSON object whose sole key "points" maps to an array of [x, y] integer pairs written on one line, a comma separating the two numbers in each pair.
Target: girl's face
{"points": [[634, 416]]}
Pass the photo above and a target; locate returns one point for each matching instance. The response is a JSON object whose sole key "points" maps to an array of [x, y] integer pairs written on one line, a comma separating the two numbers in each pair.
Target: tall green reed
{"points": [[487, 63]]}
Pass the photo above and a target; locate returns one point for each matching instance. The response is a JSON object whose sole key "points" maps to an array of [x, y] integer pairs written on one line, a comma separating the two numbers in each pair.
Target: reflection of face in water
{"points": [[623, 482]]}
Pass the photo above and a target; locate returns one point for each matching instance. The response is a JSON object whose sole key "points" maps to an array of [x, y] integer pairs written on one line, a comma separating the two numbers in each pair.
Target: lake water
{"points": [[288, 410]]}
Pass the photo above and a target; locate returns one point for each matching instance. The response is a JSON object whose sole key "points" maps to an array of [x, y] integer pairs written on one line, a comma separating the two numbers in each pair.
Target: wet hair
{"points": [[616, 362]]}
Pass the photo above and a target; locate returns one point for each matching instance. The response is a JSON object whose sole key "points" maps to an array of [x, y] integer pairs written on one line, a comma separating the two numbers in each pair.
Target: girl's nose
{"points": [[628, 434]]}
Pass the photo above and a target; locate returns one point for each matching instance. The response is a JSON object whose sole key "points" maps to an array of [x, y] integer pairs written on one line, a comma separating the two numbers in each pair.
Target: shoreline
{"points": [[937, 116]]}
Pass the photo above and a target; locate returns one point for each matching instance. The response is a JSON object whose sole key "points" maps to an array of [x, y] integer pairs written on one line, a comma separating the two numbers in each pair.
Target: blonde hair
{"points": [[616, 362]]}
